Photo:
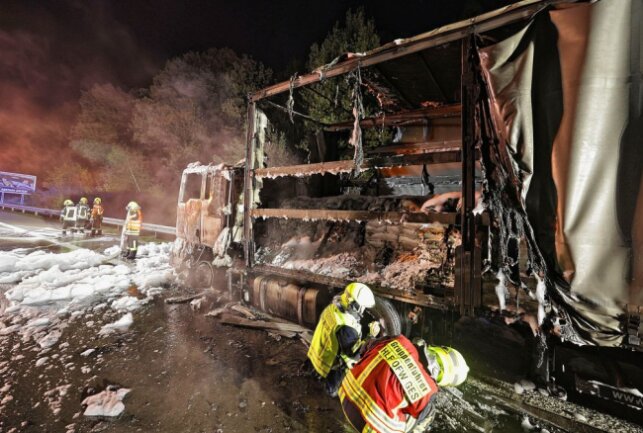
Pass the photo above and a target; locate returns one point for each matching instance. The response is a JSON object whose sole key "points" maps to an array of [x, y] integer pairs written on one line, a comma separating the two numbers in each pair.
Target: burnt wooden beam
{"points": [[423, 146], [483, 23], [429, 156], [354, 215], [404, 117]]}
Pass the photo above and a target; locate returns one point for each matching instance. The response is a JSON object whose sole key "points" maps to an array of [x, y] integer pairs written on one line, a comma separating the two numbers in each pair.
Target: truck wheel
{"points": [[202, 276], [388, 317]]}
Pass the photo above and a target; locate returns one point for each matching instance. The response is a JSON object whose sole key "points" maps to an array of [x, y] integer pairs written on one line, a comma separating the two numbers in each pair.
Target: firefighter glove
{"points": [[374, 329]]}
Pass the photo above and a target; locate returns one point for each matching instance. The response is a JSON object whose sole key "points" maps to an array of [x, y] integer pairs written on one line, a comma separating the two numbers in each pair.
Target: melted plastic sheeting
{"points": [[566, 100]]}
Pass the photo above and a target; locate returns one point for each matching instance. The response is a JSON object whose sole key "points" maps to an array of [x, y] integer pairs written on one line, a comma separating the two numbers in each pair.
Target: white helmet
{"points": [[446, 365], [357, 297]]}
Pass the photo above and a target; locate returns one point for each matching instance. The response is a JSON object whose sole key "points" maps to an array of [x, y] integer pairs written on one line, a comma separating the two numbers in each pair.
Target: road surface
{"points": [[187, 372]]}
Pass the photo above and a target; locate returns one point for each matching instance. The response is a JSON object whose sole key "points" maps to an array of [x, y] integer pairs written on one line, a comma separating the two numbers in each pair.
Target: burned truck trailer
{"points": [[483, 178]]}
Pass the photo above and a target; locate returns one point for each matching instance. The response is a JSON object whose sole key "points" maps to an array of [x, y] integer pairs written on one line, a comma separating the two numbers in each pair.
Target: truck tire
{"points": [[202, 276], [388, 317]]}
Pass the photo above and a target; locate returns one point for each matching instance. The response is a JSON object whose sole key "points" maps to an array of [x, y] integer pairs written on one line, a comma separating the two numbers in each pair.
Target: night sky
{"points": [[51, 51]]}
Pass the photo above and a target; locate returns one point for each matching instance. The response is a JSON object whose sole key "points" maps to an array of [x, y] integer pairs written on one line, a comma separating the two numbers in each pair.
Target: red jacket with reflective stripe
{"points": [[384, 387]]}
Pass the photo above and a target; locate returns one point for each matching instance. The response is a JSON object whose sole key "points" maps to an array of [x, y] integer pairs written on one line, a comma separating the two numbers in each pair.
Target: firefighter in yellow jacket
{"points": [[82, 215], [68, 216], [131, 230], [338, 335]]}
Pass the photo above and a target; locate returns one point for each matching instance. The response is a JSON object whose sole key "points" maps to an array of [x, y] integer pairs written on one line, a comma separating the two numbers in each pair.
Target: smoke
{"points": [[50, 53]]}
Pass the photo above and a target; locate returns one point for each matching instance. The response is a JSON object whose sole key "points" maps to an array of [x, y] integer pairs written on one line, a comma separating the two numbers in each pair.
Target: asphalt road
{"points": [[187, 372]]}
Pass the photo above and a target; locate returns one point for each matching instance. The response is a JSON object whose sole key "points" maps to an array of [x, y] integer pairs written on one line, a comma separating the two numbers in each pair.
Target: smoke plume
{"points": [[46, 62]]}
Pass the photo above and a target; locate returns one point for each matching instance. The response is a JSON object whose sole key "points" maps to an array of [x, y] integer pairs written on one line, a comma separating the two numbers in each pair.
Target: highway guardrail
{"points": [[55, 213]]}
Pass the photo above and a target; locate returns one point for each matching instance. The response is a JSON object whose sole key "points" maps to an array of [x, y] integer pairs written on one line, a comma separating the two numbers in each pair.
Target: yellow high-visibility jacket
{"points": [[133, 223], [324, 348]]}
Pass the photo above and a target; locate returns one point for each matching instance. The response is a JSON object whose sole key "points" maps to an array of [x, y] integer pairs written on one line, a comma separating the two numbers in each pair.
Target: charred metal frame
{"points": [[469, 293], [450, 33], [468, 286], [353, 215], [248, 187], [430, 156], [411, 117]]}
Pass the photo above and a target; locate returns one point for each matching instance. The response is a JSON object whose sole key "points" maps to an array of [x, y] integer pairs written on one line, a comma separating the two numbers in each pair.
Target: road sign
{"points": [[16, 183]]}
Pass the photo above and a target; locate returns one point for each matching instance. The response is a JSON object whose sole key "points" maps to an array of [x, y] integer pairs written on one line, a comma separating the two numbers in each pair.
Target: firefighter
{"points": [[82, 215], [68, 216], [338, 335], [392, 387], [96, 220], [131, 230]]}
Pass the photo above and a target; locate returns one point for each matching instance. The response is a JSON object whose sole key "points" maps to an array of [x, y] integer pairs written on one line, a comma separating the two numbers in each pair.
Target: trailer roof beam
{"points": [[406, 117], [492, 20]]}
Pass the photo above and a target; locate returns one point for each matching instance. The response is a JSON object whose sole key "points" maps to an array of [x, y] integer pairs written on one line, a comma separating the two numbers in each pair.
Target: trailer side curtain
{"points": [[565, 93]]}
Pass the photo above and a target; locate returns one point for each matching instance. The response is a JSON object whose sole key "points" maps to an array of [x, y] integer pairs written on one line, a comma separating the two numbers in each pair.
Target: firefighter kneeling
{"points": [[338, 335], [132, 230], [391, 389]]}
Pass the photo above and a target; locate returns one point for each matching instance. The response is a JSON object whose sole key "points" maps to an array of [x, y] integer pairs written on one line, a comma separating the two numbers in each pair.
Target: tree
{"points": [[66, 179], [103, 135], [343, 98], [330, 101], [196, 108]]}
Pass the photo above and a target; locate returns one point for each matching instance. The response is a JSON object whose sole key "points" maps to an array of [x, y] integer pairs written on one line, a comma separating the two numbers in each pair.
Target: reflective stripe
{"points": [[456, 371], [371, 365], [83, 212], [133, 223], [372, 413], [69, 213], [447, 362], [406, 370]]}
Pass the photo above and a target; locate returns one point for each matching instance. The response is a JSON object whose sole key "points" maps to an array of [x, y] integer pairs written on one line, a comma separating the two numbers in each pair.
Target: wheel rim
{"points": [[203, 275]]}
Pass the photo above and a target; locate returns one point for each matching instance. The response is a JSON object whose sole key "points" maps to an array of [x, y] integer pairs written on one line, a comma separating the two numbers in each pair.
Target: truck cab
{"points": [[206, 220]]}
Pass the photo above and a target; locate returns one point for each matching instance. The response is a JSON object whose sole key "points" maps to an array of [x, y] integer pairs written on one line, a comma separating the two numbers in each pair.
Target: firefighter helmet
{"points": [[68, 203], [132, 206], [357, 297], [97, 200], [445, 364], [83, 200]]}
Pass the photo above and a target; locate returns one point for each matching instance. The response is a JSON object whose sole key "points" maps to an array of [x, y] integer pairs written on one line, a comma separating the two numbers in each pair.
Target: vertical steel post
{"points": [[248, 187], [469, 283]]}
